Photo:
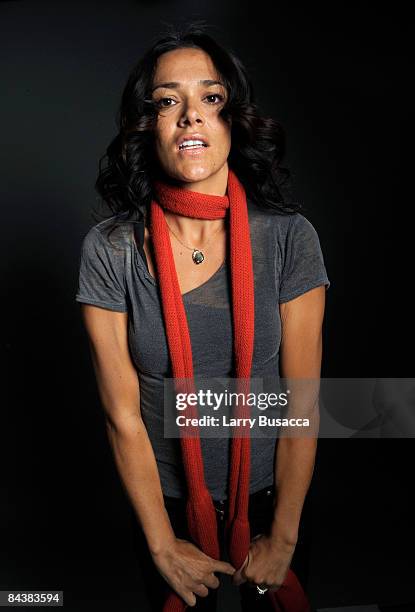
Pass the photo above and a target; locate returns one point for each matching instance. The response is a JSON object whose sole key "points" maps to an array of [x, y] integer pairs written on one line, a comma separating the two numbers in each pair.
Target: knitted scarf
{"points": [[200, 510]]}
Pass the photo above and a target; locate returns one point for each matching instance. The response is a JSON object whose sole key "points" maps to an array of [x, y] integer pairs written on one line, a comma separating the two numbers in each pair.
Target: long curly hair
{"points": [[129, 167]]}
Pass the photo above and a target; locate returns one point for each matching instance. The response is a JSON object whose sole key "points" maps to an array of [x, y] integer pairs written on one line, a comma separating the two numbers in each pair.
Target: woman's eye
{"points": [[160, 102], [215, 96]]}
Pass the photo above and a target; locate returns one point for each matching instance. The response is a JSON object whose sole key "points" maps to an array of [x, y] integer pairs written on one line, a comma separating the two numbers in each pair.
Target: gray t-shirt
{"points": [[287, 261]]}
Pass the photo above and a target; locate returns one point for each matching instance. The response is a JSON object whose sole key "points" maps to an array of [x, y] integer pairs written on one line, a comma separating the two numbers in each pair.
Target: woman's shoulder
{"points": [[102, 266], [112, 233], [275, 223], [284, 224]]}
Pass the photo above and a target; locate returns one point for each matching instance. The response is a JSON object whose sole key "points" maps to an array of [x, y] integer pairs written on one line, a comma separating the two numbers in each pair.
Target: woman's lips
{"points": [[193, 151]]}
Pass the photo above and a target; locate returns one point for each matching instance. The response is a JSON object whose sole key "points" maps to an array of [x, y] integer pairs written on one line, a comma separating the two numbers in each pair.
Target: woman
{"points": [[224, 279]]}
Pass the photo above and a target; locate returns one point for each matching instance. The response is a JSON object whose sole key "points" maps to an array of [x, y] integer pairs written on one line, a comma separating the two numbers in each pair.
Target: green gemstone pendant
{"points": [[197, 256]]}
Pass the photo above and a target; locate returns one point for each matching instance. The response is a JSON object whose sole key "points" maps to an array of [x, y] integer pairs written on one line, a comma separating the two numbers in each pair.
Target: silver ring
{"points": [[260, 590]]}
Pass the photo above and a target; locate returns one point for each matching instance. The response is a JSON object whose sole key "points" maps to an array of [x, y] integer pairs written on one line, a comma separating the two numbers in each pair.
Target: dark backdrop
{"points": [[336, 77]]}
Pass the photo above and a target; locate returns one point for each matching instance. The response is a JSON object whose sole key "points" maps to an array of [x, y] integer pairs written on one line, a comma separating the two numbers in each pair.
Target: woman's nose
{"points": [[192, 113]]}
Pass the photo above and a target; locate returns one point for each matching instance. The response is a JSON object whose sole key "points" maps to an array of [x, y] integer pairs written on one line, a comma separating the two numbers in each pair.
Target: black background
{"points": [[337, 78]]}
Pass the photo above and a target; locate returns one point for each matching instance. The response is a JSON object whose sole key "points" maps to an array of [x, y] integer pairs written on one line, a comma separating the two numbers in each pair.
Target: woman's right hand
{"points": [[188, 570]]}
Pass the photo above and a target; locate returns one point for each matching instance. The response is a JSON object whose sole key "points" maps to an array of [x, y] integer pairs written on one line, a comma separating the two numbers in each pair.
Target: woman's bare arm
{"points": [[119, 391], [300, 359], [186, 568]]}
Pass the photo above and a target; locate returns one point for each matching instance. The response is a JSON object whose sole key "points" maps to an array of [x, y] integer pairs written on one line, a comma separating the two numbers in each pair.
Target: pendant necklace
{"points": [[197, 255]]}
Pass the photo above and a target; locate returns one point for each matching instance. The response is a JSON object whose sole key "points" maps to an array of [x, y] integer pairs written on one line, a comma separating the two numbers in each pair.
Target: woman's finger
{"points": [[189, 597], [211, 581], [201, 590], [239, 576], [223, 566]]}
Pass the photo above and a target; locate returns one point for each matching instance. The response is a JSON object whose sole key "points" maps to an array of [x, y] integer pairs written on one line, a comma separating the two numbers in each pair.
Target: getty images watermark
{"points": [[276, 407], [225, 407]]}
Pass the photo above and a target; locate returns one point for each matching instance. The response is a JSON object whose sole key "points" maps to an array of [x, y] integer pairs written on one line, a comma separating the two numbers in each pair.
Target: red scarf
{"points": [[201, 513]]}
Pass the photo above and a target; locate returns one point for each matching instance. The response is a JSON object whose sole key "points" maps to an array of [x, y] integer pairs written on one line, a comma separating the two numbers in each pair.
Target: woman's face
{"points": [[186, 107]]}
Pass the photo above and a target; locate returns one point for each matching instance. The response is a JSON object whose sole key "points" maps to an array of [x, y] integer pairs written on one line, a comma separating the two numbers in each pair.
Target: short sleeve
{"points": [[303, 263], [101, 273]]}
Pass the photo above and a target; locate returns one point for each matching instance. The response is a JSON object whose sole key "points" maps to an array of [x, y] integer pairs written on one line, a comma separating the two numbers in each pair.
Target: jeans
{"points": [[260, 514]]}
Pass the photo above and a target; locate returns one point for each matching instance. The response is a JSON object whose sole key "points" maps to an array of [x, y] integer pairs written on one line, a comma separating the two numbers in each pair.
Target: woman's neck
{"points": [[193, 231]]}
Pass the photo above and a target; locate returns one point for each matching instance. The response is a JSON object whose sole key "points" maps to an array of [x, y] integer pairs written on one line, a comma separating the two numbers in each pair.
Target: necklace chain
{"points": [[192, 248]]}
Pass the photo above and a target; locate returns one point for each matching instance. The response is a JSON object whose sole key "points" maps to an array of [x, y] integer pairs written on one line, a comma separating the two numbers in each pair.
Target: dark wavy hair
{"points": [[129, 166]]}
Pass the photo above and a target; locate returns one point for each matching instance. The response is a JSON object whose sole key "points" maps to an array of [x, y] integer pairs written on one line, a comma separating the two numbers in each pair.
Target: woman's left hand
{"points": [[267, 563]]}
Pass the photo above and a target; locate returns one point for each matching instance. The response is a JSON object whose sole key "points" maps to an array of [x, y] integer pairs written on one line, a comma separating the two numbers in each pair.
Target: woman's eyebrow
{"points": [[177, 85]]}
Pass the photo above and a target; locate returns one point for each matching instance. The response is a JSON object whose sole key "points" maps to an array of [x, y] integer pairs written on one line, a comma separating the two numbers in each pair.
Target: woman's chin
{"points": [[193, 175]]}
